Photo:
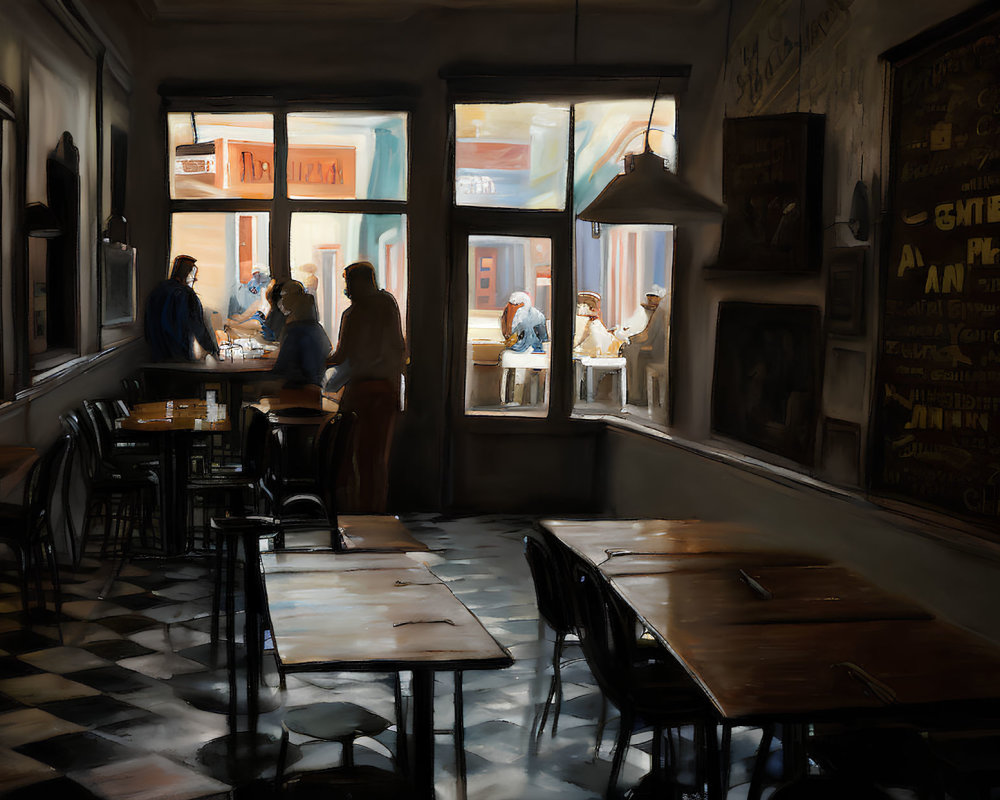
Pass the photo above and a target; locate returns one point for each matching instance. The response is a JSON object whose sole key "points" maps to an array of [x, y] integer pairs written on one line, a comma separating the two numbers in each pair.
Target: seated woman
{"points": [[265, 324], [305, 346]]}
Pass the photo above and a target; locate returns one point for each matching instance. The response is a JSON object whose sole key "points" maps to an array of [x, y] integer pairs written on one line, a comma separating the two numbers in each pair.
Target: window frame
{"points": [[559, 226], [280, 207]]}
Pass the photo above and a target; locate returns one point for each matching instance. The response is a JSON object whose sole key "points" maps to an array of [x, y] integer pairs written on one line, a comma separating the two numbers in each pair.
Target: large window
{"points": [[517, 157], [332, 184]]}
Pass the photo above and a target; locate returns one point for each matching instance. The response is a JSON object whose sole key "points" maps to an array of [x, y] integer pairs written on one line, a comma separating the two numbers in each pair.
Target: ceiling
{"points": [[280, 10]]}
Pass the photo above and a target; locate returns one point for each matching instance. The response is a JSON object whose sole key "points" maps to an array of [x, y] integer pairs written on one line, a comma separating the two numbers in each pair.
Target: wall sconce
{"points": [[40, 222]]}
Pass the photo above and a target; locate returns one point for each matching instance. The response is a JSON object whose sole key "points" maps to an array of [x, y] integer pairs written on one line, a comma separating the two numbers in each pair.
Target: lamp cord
{"points": [[798, 99], [649, 124], [725, 63], [576, 30]]}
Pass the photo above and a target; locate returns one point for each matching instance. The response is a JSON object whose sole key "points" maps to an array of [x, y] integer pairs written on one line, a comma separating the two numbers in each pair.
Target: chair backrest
{"points": [[551, 591], [40, 486], [83, 435], [132, 388], [331, 452], [601, 635], [97, 427], [71, 426]]}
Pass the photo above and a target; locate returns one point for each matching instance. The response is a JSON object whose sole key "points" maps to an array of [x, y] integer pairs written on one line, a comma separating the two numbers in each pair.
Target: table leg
{"points": [[590, 384], [423, 733], [252, 624], [174, 457], [621, 387], [460, 737]]}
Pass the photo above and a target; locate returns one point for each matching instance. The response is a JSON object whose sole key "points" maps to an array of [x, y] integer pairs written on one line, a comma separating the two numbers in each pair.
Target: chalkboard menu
{"points": [[936, 439], [772, 183]]}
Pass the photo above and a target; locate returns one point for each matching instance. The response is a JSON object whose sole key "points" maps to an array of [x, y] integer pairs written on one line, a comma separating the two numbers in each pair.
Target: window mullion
{"points": [[281, 208]]}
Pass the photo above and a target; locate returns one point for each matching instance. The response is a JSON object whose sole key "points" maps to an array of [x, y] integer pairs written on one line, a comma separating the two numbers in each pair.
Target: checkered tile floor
{"points": [[111, 711]]}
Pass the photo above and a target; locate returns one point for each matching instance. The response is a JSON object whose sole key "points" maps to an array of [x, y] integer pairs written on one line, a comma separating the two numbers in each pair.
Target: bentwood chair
{"points": [[27, 528], [237, 490], [548, 574], [124, 496], [648, 692]]}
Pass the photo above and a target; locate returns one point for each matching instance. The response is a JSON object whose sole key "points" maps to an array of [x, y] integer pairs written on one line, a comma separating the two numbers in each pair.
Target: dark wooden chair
{"points": [[26, 528], [647, 691]]}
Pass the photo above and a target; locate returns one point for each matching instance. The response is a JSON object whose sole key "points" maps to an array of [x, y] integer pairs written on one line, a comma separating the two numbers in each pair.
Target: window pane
{"points": [[510, 279], [221, 155], [622, 324], [323, 244], [347, 155], [511, 155], [605, 131], [623, 277], [228, 247]]}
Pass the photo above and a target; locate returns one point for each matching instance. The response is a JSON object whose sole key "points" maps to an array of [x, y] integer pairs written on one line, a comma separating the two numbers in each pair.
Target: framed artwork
{"points": [[767, 372], [845, 293], [772, 184], [117, 284]]}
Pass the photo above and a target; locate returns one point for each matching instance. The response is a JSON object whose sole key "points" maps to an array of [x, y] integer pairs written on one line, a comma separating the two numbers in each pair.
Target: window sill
{"points": [[50, 361], [962, 535], [54, 370]]}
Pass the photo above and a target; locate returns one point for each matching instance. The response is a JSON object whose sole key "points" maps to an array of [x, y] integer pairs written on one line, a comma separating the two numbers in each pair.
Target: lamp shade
{"points": [[40, 222], [650, 194]]}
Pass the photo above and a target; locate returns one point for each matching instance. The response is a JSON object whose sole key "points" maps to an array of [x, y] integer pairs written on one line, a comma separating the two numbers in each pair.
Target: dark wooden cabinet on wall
{"points": [[772, 183]]}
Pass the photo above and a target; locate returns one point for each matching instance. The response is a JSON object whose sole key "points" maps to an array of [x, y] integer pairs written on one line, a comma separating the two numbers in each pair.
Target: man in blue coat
{"points": [[175, 318]]}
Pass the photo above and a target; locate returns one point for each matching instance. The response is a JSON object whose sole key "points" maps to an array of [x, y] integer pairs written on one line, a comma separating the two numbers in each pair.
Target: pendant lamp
{"points": [[650, 194]]}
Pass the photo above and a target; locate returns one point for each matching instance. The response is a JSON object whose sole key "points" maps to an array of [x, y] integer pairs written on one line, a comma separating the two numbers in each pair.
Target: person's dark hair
{"points": [[274, 293], [182, 267], [360, 278]]}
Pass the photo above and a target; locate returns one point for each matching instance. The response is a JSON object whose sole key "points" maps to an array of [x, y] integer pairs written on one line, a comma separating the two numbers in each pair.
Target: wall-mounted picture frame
{"points": [[117, 285], [772, 184], [768, 364], [845, 292]]}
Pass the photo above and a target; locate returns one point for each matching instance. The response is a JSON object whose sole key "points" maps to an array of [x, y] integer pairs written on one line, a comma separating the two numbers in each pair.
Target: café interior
{"points": [[693, 488]]}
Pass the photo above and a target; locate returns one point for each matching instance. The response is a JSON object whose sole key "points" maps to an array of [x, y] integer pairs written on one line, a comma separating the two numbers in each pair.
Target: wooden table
{"points": [[275, 404], [168, 377], [782, 642], [598, 541], [337, 617], [15, 461], [174, 422]]}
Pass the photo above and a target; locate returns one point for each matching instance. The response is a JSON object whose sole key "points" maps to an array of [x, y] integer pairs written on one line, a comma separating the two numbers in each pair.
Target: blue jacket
{"points": [[174, 319]]}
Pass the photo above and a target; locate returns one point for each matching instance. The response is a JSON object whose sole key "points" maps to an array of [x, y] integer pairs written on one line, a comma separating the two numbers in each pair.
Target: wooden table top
{"points": [[377, 532], [250, 364], [336, 562], [656, 563], [15, 461], [278, 403], [736, 592], [375, 620], [598, 540], [782, 640], [814, 670], [182, 414]]}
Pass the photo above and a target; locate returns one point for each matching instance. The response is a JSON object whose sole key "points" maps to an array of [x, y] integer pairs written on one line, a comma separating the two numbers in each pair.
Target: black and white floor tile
{"points": [[123, 707]]}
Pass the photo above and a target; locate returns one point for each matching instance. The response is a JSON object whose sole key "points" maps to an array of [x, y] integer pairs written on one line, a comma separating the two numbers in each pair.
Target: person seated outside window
{"points": [[305, 346], [175, 319], [646, 348], [639, 319], [248, 298], [591, 337], [523, 325]]}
